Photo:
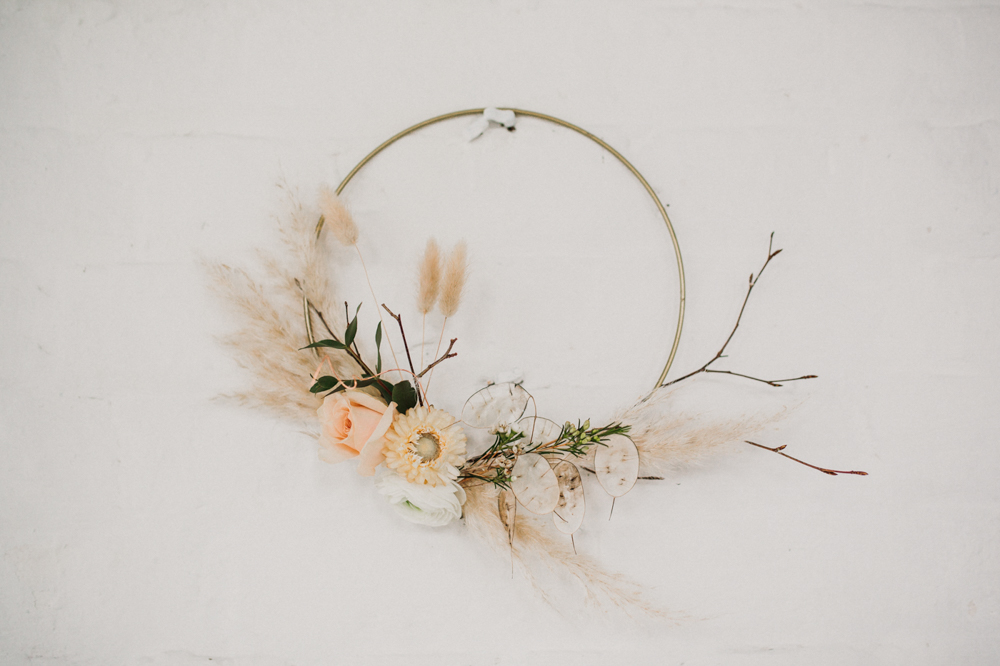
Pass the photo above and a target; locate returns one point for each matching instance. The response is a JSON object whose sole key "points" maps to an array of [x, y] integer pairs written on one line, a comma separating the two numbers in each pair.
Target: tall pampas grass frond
{"points": [[266, 345], [270, 324], [455, 275], [302, 269], [669, 439], [338, 218], [428, 286], [429, 277], [534, 544]]}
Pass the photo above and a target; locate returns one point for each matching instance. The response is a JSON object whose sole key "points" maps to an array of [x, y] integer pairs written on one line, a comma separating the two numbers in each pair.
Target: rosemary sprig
{"points": [[577, 440], [495, 464]]}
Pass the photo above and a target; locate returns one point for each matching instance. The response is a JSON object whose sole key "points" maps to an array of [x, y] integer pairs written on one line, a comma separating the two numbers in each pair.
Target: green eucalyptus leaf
{"points": [[352, 328], [351, 332], [386, 389], [378, 347], [405, 396], [324, 343], [324, 383]]}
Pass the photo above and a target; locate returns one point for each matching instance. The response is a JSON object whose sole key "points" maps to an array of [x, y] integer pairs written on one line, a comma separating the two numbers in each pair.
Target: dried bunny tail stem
{"points": [[428, 285], [534, 545], [341, 224], [455, 274], [429, 277], [338, 218]]}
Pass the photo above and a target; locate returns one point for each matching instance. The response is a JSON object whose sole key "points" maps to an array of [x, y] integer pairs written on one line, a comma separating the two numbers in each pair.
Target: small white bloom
{"points": [[420, 502]]}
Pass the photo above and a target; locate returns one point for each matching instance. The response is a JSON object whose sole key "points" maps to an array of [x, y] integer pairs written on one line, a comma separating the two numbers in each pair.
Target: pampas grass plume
{"points": [[454, 280], [535, 546], [429, 278], [337, 217]]}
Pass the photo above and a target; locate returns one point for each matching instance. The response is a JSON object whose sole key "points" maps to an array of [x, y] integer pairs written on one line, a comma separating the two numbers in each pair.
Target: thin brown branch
{"points": [[438, 350], [322, 320], [350, 352], [771, 254], [447, 355], [399, 320], [769, 382], [778, 450]]}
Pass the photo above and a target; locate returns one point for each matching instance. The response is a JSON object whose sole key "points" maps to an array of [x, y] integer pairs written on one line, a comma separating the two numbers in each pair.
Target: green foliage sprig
{"points": [[494, 465], [577, 440], [401, 392]]}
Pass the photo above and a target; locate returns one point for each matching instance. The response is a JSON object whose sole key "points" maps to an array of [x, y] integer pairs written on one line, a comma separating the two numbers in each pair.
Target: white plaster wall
{"points": [[141, 522]]}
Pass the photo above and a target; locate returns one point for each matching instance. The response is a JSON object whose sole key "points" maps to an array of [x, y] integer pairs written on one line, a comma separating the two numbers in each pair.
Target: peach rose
{"points": [[353, 425]]}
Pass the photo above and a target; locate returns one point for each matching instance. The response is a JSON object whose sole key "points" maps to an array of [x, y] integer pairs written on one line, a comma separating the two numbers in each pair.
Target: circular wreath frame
{"points": [[562, 123]]}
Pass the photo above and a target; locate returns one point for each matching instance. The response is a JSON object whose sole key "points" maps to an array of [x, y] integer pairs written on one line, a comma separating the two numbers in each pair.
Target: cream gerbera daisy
{"points": [[425, 445]]}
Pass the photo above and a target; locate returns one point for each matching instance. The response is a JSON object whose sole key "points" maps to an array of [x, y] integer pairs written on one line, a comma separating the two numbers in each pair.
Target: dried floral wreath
{"points": [[381, 414]]}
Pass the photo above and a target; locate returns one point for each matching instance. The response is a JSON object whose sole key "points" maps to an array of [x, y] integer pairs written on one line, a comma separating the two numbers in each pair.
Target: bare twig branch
{"points": [[322, 320], [399, 320], [440, 340], [771, 254], [778, 450], [447, 355], [769, 382]]}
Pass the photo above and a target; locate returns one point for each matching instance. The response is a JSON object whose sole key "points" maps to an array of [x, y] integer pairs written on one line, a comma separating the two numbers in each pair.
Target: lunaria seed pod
{"points": [[571, 507], [538, 430], [495, 406], [534, 484], [507, 508], [617, 465]]}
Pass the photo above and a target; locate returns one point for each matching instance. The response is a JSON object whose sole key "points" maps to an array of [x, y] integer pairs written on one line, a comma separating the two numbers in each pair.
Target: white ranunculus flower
{"points": [[422, 503]]}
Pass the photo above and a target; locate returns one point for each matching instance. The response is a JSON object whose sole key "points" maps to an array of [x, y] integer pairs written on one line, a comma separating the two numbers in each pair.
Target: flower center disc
{"points": [[427, 447]]}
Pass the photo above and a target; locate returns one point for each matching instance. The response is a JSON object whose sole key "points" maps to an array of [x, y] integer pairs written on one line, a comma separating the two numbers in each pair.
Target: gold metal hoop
{"points": [[579, 130]]}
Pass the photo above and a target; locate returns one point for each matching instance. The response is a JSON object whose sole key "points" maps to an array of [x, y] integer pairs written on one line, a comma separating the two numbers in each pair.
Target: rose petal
{"points": [[365, 400], [335, 452], [373, 453], [335, 415]]}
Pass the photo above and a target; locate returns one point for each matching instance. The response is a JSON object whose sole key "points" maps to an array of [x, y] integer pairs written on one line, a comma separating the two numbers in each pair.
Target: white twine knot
{"points": [[503, 117]]}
